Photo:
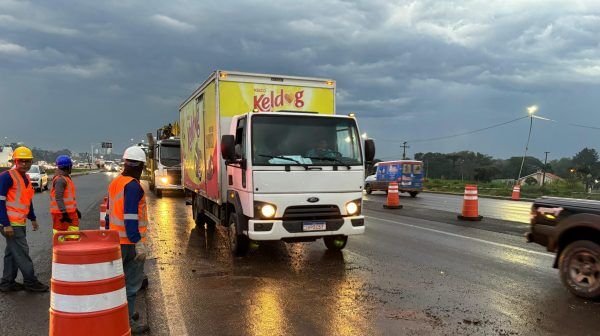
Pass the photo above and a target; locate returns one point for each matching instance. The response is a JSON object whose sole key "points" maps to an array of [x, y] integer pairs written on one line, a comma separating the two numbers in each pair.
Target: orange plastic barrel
{"points": [[103, 213], [393, 197], [88, 285], [470, 209]]}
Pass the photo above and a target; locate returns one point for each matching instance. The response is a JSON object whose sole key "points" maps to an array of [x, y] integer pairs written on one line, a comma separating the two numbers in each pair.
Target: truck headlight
{"points": [[353, 208], [267, 211], [164, 180]]}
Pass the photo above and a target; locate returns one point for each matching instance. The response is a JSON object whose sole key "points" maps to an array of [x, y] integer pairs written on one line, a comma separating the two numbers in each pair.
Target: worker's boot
{"points": [[36, 287], [11, 286], [138, 328]]}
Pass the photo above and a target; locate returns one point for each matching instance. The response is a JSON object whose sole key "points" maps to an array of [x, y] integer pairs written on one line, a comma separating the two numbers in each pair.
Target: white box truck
{"points": [[267, 157]]}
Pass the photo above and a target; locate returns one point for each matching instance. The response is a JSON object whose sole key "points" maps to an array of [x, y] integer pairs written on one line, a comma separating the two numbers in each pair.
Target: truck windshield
{"points": [[305, 140], [34, 170], [170, 155]]}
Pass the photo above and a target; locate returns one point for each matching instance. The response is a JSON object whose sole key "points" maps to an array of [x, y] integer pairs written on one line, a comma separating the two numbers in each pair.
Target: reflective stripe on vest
{"points": [[116, 210], [18, 199], [69, 196]]}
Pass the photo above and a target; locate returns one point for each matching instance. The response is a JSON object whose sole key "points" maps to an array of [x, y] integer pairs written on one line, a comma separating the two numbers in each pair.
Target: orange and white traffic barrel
{"points": [[88, 286], [103, 213], [516, 193], [393, 197], [470, 209]]}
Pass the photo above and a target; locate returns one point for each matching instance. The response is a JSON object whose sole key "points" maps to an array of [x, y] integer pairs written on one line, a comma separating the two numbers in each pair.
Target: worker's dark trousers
{"points": [[16, 257], [134, 275]]}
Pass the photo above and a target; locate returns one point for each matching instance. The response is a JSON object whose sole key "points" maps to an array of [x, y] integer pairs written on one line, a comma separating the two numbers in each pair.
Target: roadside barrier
{"points": [[88, 286], [516, 194], [393, 197], [103, 213], [470, 209]]}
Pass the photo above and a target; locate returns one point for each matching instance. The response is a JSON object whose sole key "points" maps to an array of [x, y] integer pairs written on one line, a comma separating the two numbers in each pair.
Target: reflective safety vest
{"points": [[18, 199], [69, 197], [116, 209]]}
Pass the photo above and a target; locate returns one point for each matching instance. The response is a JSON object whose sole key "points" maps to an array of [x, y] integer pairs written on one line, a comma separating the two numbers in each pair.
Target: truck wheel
{"points": [[335, 243], [413, 194], [238, 242], [151, 186], [158, 192], [579, 266], [368, 189]]}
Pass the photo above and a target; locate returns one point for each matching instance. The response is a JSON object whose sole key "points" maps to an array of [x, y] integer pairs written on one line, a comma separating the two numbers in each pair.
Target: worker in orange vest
{"points": [[126, 213], [63, 202], [16, 206]]}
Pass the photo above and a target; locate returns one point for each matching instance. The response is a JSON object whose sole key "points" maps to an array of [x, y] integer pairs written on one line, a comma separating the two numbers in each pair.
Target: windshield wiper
{"points": [[342, 163], [284, 158]]}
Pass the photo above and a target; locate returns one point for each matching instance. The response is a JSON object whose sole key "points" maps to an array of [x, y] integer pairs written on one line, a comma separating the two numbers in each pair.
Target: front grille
{"points": [[175, 175], [312, 212]]}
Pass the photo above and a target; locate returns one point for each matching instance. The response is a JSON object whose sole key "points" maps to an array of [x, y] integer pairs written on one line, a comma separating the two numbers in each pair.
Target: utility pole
{"points": [[544, 171], [404, 147], [531, 110]]}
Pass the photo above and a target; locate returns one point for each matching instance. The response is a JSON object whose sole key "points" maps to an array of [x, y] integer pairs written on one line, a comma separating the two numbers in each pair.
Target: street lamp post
{"points": [[531, 110]]}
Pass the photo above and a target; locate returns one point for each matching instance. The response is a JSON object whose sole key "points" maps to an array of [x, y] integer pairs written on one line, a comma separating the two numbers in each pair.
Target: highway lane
{"points": [[509, 210], [404, 276], [25, 313]]}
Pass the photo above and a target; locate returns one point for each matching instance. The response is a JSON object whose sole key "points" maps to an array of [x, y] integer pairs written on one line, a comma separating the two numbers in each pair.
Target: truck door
{"points": [[242, 182]]}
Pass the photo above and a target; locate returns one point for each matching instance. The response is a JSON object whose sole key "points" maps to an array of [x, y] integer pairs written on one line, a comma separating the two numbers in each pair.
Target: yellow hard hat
{"points": [[23, 153]]}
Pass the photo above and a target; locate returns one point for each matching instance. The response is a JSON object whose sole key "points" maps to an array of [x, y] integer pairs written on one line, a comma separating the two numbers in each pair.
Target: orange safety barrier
{"points": [[470, 210], [516, 194], [103, 213], [88, 285], [393, 197]]}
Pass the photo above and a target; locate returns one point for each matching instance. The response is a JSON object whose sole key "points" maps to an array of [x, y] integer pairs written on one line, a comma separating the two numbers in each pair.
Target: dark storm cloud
{"points": [[114, 70]]}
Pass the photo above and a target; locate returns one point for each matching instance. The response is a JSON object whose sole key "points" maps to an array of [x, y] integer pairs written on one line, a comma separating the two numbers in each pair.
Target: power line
{"points": [[571, 124], [458, 134]]}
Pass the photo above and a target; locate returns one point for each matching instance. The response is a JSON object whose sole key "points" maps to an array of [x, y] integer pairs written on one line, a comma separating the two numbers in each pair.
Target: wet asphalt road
{"points": [[405, 276], [25, 313], [516, 211]]}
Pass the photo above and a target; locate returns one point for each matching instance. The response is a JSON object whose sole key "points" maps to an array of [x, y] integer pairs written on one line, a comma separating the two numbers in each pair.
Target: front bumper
{"points": [[35, 184], [280, 229], [168, 187]]}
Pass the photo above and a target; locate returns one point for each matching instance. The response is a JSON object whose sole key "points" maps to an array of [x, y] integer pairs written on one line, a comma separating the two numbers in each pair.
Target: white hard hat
{"points": [[135, 153]]}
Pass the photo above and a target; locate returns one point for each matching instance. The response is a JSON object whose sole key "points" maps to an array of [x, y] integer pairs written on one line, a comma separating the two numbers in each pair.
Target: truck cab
{"points": [[294, 177], [164, 166]]}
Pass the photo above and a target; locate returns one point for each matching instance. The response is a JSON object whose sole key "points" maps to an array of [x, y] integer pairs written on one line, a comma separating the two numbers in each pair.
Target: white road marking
{"points": [[173, 312], [516, 248]]}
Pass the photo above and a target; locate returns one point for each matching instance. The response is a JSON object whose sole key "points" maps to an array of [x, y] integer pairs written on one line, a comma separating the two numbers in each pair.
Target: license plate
{"points": [[314, 226]]}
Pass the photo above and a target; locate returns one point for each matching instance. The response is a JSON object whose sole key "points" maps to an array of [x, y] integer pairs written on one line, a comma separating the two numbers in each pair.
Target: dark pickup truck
{"points": [[571, 229]]}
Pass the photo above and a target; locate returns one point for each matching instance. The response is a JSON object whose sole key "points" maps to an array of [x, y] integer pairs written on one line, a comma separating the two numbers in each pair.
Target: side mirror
{"points": [[228, 147], [369, 150]]}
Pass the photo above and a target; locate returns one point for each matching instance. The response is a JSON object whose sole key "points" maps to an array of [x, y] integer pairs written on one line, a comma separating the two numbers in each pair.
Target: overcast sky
{"points": [[77, 72]]}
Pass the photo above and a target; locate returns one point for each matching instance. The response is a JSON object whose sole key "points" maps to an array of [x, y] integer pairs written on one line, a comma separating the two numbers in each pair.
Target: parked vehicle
{"points": [[38, 177], [266, 156], [163, 165], [408, 174], [571, 229]]}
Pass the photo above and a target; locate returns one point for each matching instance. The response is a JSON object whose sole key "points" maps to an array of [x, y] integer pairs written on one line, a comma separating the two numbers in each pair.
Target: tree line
{"points": [[473, 166]]}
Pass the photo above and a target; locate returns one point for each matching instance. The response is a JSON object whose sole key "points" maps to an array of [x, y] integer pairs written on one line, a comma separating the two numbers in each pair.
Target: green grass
{"points": [[569, 189]]}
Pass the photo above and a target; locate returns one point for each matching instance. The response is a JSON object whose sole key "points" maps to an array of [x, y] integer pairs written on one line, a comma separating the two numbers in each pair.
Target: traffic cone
{"points": [[103, 213], [393, 197], [470, 210], [516, 194], [88, 285]]}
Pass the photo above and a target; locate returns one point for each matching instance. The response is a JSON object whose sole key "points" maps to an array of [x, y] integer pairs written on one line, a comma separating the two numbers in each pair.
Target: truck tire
{"points": [[239, 243], [335, 243], [151, 186], [158, 192], [579, 267], [368, 189], [413, 194]]}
